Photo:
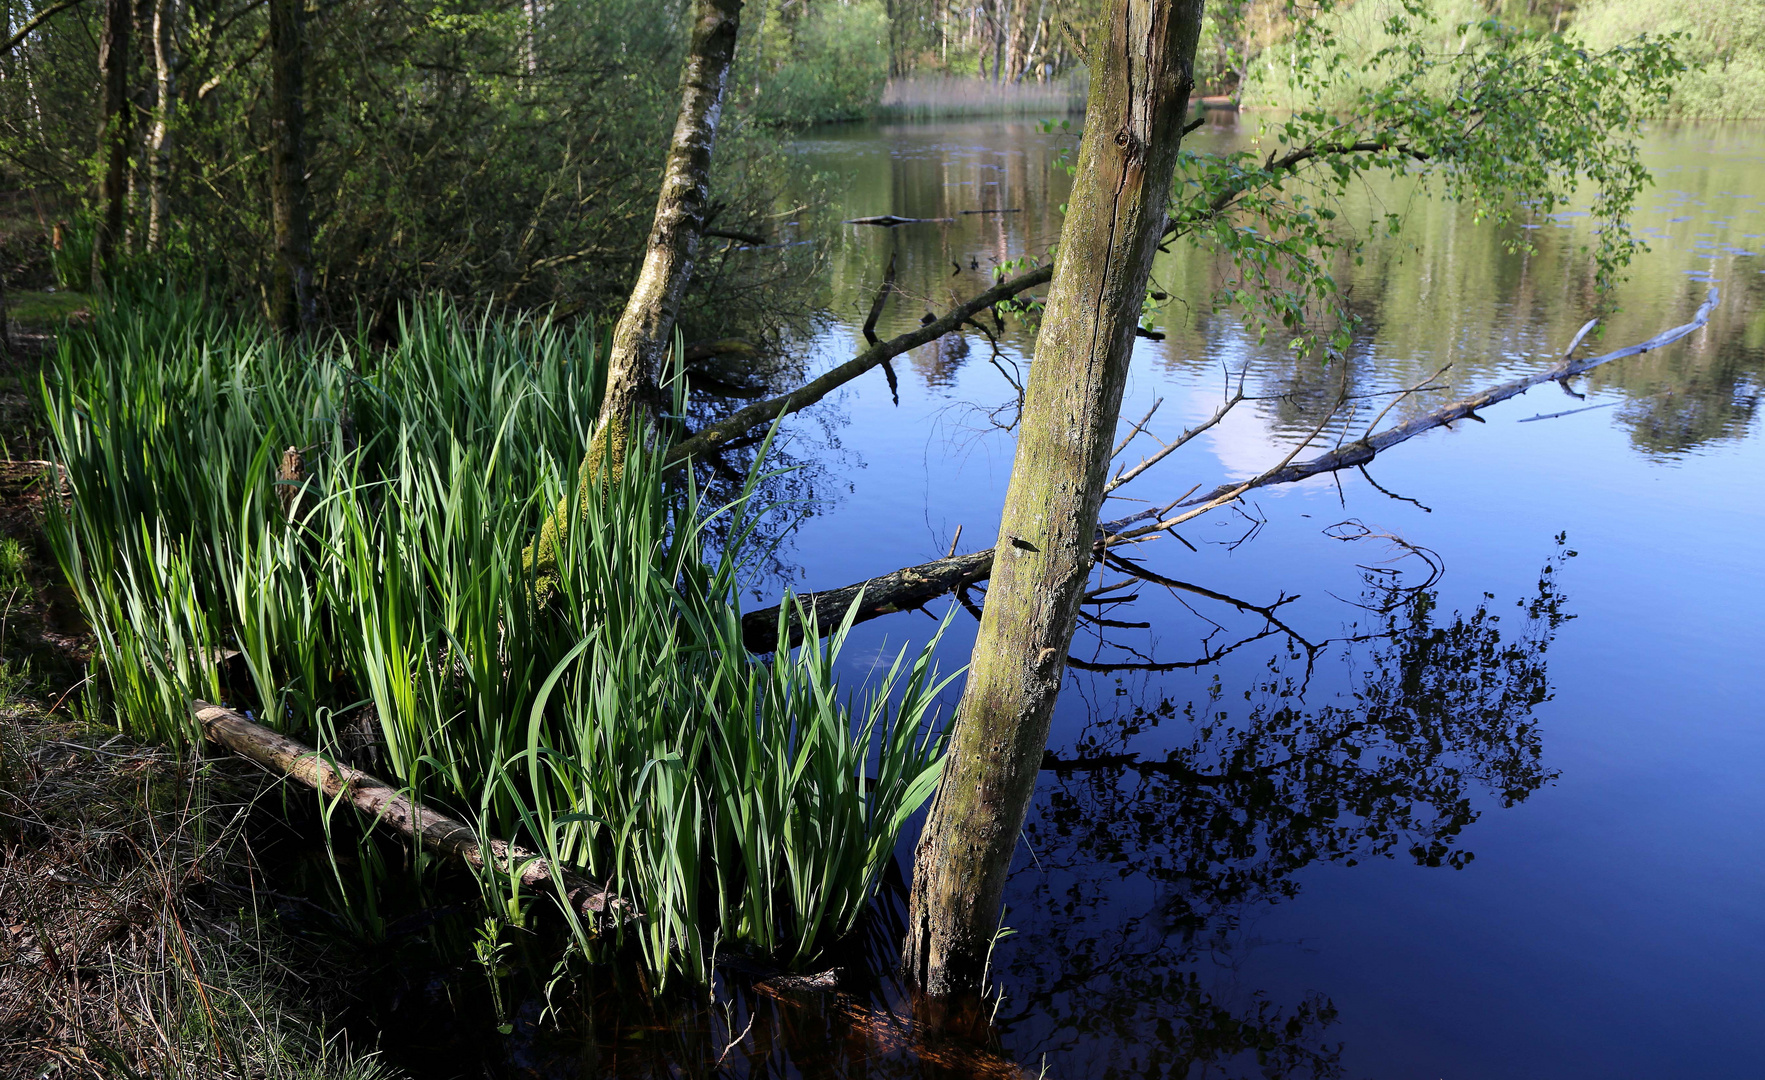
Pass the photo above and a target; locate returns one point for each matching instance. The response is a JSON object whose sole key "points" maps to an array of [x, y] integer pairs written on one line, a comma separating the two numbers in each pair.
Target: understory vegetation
{"points": [[349, 520]]}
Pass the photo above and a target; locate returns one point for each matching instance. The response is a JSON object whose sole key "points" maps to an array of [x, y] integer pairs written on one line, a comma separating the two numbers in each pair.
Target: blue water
{"points": [[1611, 921]]}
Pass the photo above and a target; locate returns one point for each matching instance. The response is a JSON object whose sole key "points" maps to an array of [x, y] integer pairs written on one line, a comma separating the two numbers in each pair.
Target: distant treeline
{"points": [[832, 59]]}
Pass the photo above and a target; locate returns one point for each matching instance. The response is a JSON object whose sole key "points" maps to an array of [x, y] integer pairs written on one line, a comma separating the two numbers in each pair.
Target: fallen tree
{"points": [[912, 587], [385, 804]]}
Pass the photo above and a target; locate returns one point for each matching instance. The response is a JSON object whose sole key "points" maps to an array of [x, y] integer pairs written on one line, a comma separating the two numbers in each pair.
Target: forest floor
{"points": [[136, 938]]}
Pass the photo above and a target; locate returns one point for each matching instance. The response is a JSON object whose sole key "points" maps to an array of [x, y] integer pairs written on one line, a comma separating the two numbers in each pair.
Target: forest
{"points": [[483, 580]]}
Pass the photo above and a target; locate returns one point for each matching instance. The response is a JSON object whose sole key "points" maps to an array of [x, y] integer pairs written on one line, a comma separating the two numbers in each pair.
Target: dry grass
{"points": [[129, 946]]}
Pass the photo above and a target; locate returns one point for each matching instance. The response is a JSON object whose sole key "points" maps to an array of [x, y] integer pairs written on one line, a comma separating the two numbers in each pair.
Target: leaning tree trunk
{"points": [[1127, 160], [646, 329], [291, 294], [113, 137]]}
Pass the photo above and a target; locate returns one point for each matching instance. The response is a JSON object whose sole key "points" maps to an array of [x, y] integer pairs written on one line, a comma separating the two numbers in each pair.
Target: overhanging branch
{"points": [[712, 438]]}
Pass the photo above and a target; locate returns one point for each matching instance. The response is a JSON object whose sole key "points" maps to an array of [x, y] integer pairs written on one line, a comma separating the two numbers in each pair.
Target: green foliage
{"points": [[452, 148], [837, 63], [1723, 41], [615, 721], [1509, 120]]}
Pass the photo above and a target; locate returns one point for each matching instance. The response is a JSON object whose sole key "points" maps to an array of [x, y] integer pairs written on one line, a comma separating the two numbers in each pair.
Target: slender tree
{"points": [[292, 305], [165, 105], [646, 328], [113, 137], [1127, 161]]}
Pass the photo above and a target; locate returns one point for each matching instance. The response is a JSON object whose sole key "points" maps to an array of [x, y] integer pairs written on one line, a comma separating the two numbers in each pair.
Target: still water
{"points": [[1454, 768]]}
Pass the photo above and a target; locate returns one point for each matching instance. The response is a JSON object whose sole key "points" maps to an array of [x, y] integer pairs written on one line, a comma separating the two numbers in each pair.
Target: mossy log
{"points": [[387, 805]]}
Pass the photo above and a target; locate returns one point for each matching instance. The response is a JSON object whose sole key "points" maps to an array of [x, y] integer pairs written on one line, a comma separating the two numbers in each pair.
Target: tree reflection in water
{"points": [[1248, 789]]}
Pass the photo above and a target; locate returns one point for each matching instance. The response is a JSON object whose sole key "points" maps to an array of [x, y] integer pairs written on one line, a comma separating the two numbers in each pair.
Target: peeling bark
{"points": [[1127, 162]]}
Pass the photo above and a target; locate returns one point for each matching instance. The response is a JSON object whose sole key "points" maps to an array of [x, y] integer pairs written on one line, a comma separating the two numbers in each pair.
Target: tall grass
{"points": [[612, 718], [931, 97]]}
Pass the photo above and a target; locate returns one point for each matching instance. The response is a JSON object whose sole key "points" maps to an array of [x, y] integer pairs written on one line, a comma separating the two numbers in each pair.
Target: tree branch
{"points": [[712, 438], [914, 586], [36, 20]]}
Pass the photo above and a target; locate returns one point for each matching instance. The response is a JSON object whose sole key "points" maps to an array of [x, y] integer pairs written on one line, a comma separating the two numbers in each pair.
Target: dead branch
{"points": [[882, 297], [385, 804], [914, 586], [890, 220], [1365, 449], [903, 590], [713, 437]]}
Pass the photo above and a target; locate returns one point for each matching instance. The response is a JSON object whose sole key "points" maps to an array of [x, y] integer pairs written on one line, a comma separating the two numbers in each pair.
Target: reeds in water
{"points": [[351, 519]]}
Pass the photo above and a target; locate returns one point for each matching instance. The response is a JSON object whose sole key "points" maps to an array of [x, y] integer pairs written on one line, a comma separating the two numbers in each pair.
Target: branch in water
{"points": [[914, 586]]}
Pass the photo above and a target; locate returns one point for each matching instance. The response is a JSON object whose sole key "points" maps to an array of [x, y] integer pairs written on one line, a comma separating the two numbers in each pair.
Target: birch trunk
{"points": [[113, 137], [292, 307], [1127, 160], [165, 62], [646, 329]]}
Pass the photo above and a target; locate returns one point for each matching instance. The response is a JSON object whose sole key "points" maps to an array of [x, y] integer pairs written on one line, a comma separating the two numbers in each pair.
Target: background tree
{"points": [[113, 137], [291, 294]]}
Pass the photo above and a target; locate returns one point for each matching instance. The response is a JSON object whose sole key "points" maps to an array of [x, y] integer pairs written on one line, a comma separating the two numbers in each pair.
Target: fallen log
{"points": [[902, 590], [385, 804], [912, 587]]}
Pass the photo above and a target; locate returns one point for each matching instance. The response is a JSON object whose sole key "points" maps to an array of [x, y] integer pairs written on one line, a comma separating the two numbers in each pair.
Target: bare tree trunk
{"points": [[644, 332], [1127, 161], [292, 307], [165, 63], [113, 137]]}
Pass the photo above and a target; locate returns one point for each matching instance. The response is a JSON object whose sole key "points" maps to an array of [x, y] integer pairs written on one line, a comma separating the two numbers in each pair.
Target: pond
{"points": [[1451, 767]]}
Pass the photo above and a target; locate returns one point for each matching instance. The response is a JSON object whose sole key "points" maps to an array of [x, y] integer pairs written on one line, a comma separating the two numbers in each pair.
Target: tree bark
{"points": [[646, 329], [292, 305], [113, 137], [1127, 162], [165, 77], [387, 805]]}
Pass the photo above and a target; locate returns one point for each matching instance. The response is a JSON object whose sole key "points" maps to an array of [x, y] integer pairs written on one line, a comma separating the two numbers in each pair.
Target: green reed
{"points": [[611, 718]]}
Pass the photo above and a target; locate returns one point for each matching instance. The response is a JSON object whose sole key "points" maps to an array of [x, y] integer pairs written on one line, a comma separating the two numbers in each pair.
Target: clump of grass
{"points": [[351, 521], [931, 97], [12, 568]]}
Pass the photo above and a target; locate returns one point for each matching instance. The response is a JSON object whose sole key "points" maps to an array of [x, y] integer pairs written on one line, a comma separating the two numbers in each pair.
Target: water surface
{"points": [[1450, 769]]}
